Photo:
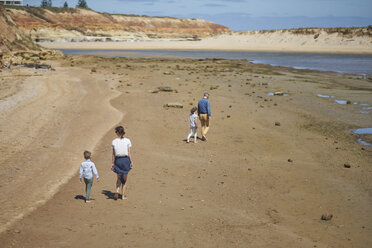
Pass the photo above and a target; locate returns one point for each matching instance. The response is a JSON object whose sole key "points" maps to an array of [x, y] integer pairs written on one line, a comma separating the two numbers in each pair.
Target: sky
{"points": [[242, 15]]}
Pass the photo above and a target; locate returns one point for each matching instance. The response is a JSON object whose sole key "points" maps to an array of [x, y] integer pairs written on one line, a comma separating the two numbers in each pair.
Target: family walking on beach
{"points": [[121, 165], [204, 115], [121, 158]]}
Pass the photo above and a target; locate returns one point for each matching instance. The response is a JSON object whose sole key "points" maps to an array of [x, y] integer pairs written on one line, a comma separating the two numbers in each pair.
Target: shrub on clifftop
{"points": [[46, 3], [82, 4]]}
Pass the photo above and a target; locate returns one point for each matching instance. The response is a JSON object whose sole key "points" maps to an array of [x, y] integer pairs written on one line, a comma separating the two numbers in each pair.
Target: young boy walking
{"points": [[87, 169]]}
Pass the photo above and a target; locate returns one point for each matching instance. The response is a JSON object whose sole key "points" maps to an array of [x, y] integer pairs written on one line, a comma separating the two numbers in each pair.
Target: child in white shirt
{"points": [[87, 169], [193, 125]]}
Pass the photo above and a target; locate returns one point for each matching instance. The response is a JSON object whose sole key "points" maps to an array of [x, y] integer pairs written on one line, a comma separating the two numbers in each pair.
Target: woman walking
{"points": [[121, 161]]}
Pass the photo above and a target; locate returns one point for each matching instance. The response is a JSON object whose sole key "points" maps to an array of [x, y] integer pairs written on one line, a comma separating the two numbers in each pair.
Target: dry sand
{"points": [[253, 184], [276, 41]]}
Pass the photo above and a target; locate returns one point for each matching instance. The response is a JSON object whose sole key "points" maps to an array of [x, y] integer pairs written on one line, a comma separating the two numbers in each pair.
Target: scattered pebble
{"points": [[277, 123], [326, 217], [347, 165], [290, 160]]}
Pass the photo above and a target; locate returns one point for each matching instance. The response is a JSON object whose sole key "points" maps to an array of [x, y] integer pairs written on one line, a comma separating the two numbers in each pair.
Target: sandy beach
{"points": [[272, 165], [276, 41]]}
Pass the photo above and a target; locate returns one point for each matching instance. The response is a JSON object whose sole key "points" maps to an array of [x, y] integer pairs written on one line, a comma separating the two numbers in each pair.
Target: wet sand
{"points": [[271, 167]]}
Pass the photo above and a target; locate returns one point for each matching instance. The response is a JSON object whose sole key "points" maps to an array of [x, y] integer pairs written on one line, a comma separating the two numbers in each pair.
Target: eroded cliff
{"points": [[66, 24], [11, 36]]}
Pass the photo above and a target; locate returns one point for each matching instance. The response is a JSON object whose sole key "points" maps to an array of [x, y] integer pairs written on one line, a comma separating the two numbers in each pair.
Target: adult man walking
{"points": [[204, 113]]}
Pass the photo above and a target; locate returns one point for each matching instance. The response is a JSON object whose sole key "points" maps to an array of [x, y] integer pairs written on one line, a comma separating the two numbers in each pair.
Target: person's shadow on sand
{"points": [[192, 140], [109, 194], [80, 197]]}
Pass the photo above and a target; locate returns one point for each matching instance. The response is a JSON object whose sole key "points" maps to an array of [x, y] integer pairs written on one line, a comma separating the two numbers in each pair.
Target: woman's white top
{"points": [[121, 146]]}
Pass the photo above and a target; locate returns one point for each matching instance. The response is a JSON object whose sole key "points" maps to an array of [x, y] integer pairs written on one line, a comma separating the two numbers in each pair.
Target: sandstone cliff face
{"points": [[57, 24], [11, 37]]}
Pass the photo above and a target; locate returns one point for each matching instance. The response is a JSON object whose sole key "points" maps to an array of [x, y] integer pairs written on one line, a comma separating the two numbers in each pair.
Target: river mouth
{"points": [[360, 64]]}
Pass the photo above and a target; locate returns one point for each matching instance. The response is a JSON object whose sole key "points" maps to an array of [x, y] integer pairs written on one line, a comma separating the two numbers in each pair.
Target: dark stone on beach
{"points": [[277, 123], [38, 66], [290, 160], [93, 70], [165, 89], [228, 116], [347, 166], [326, 217], [173, 105]]}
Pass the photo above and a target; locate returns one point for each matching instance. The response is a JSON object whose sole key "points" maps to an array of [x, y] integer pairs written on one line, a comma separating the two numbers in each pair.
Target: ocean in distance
{"points": [[342, 63]]}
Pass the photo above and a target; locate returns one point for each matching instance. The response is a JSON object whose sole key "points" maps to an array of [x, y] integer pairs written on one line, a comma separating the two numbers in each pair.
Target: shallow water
{"points": [[323, 96], [343, 63], [360, 141], [343, 102], [361, 132]]}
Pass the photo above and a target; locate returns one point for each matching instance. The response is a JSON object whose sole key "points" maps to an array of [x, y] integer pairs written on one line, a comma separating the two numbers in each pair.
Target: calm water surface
{"points": [[343, 63]]}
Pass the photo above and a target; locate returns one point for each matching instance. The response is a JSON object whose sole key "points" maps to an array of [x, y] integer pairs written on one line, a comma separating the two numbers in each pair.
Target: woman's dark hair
{"points": [[120, 130]]}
